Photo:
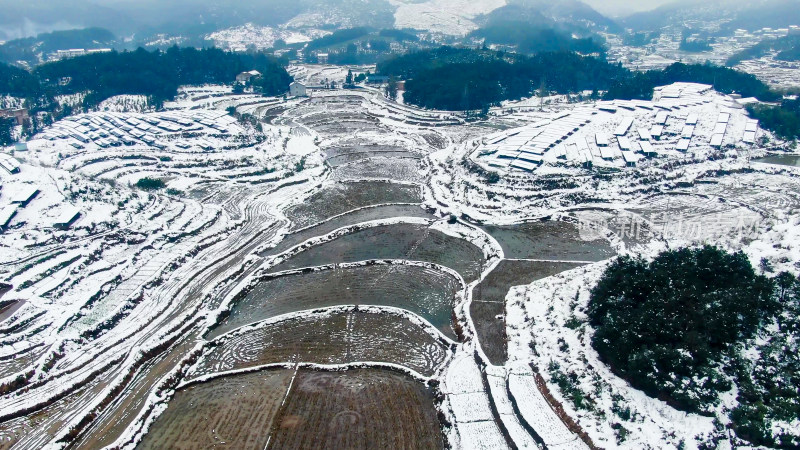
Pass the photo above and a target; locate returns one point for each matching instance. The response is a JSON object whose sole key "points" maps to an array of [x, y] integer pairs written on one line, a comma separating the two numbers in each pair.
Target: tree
{"points": [[349, 79], [667, 325], [150, 184], [391, 88], [6, 127]]}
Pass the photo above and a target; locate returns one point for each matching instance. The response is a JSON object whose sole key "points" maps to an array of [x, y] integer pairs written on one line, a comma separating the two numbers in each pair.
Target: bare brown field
{"points": [[230, 412], [357, 409], [338, 338]]}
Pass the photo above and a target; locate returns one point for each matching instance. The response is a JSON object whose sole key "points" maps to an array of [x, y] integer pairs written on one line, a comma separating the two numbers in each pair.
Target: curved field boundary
{"points": [[257, 278], [331, 310], [346, 193], [275, 242], [247, 285], [312, 366], [158, 400], [329, 336]]}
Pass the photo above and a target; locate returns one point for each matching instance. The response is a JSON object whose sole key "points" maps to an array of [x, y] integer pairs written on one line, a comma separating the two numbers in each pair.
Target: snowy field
{"points": [[130, 235]]}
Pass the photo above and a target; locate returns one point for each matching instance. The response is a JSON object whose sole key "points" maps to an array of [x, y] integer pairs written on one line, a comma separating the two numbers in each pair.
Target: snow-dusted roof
{"points": [[6, 214], [68, 214], [24, 194]]}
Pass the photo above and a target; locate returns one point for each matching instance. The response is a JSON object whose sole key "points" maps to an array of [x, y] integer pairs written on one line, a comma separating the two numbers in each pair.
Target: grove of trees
{"points": [[462, 78], [675, 327], [784, 120], [154, 74]]}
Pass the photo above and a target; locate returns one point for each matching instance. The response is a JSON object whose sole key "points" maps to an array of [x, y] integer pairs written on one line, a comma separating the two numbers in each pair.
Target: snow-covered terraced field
{"points": [[258, 270]]}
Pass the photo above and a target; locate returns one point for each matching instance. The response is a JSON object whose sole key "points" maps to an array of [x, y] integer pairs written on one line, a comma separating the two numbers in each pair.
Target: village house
{"points": [[297, 89], [20, 115], [246, 77]]}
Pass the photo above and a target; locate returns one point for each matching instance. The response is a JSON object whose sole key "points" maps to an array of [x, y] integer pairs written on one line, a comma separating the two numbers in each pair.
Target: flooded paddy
{"points": [[233, 412], [427, 292], [348, 219], [489, 300], [358, 409], [552, 240], [339, 337], [399, 241], [343, 197], [781, 160]]}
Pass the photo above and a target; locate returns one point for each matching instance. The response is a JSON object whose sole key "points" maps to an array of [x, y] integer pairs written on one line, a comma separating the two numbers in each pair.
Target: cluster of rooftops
{"points": [[621, 133]]}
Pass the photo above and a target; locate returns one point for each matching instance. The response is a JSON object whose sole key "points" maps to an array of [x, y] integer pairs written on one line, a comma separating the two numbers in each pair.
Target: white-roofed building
{"points": [[297, 89], [246, 77], [6, 214], [9, 163], [25, 195], [68, 216]]}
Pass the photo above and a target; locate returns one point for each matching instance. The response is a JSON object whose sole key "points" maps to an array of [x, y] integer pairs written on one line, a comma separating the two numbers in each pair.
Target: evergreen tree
{"points": [[6, 128]]}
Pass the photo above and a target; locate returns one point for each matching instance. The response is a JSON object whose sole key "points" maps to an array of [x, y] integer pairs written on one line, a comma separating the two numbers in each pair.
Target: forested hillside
{"points": [[528, 39], [459, 78], [154, 74], [34, 50]]}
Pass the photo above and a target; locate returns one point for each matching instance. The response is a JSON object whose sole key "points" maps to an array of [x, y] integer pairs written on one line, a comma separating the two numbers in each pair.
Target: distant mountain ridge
{"points": [[750, 15], [132, 18], [34, 50], [558, 13]]}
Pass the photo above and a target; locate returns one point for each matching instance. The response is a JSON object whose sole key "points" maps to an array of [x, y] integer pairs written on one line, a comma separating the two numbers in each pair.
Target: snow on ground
{"points": [[142, 269], [250, 35], [537, 319], [452, 17], [124, 103]]}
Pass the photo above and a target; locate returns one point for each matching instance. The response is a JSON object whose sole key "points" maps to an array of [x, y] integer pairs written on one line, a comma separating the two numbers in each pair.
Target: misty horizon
{"points": [[33, 18]]}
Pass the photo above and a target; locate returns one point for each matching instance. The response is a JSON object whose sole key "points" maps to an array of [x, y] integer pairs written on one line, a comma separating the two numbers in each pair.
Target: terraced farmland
{"points": [[348, 219], [399, 241], [234, 412], [550, 240], [488, 307], [427, 292], [307, 273], [339, 337], [343, 197], [364, 408]]}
